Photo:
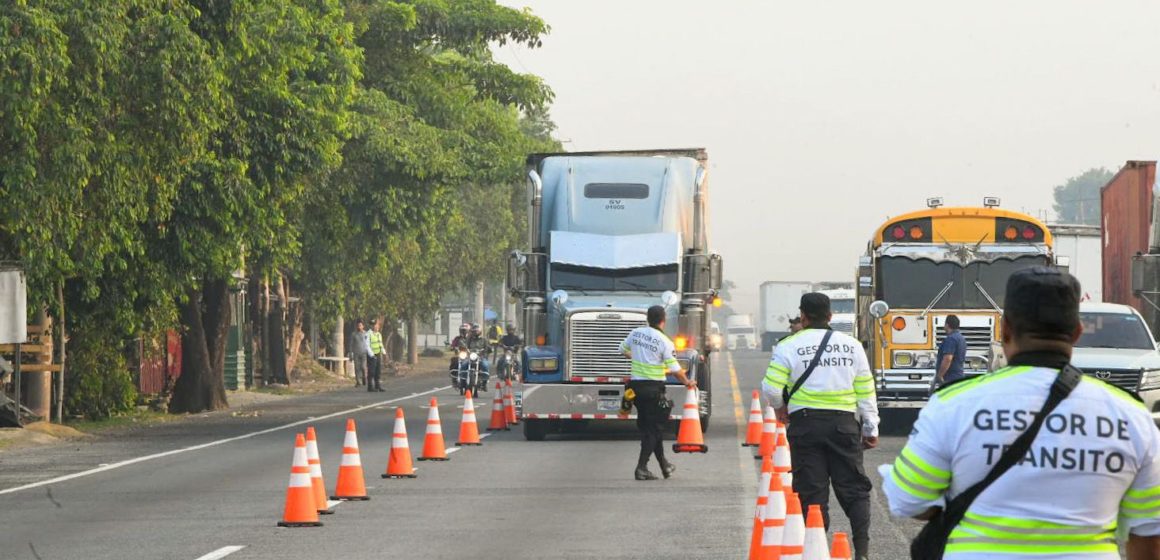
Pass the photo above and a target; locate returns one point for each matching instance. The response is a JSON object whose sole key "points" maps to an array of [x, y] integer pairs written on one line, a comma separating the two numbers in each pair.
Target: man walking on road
{"points": [[952, 352], [819, 381], [653, 358], [360, 349], [375, 359]]}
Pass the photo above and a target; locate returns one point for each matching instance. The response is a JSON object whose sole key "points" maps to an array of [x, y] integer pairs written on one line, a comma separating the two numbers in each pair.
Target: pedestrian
{"points": [[996, 484], [360, 349], [375, 359], [653, 357], [952, 353], [819, 382]]}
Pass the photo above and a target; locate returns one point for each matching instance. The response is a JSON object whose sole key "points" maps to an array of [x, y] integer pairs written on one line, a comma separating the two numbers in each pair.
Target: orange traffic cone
{"points": [[315, 462], [782, 465], [468, 429], [840, 550], [509, 403], [399, 463], [768, 434], [753, 433], [300, 509], [433, 448], [773, 528], [815, 544], [759, 513], [689, 438], [351, 483], [498, 415], [795, 529]]}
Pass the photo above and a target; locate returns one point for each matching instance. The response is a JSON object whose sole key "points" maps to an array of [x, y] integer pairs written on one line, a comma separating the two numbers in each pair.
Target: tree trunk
{"points": [[254, 299], [204, 317], [294, 333], [275, 338], [412, 341], [478, 312]]}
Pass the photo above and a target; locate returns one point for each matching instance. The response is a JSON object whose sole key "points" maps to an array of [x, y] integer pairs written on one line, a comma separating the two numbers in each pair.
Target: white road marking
{"points": [[485, 435], [198, 447], [451, 450], [331, 503], [221, 553]]}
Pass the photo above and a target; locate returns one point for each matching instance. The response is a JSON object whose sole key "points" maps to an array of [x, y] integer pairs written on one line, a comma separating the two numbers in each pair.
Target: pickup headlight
{"points": [[544, 364], [1150, 381]]}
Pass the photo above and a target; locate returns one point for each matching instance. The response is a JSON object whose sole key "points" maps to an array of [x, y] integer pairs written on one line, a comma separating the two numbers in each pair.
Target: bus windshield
{"points": [[906, 283]]}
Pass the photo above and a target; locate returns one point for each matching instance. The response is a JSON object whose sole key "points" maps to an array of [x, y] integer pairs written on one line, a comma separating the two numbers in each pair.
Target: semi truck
{"points": [[842, 306], [1130, 208], [611, 234], [740, 334], [779, 304], [1079, 248]]}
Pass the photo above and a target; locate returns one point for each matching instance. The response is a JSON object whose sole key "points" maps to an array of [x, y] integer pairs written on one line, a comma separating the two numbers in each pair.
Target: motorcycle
{"points": [[509, 365], [468, 373]]}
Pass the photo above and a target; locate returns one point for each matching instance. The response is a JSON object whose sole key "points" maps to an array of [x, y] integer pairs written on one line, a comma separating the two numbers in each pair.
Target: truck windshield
{"points": [[1113, 330], [647, 278], [841, 306], [740, 330], [907, 283]]}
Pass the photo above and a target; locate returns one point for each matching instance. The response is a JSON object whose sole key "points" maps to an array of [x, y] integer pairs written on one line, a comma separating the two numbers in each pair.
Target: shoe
{"points": [[668, 469], [644, 474], [381, 390]]}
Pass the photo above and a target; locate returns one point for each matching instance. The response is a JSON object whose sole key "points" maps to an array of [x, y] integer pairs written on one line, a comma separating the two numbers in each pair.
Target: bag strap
{"points": [[1065, 382], [810, 368]]}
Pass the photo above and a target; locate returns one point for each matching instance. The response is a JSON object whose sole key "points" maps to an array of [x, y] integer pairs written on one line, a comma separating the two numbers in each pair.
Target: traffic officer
{"points": [[1094, 463], [653, 358], [375, 359], [819, 382]]}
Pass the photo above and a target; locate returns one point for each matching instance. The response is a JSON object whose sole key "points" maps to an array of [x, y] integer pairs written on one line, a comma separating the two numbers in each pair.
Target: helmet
{"points": [[464, 328], [476, 329]]}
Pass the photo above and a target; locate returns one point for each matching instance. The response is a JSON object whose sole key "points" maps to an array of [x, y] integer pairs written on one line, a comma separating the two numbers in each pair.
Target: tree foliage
{"points": [[1078, 200]]}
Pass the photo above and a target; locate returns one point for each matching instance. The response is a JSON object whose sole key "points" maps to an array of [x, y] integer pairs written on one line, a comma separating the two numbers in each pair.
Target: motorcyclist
{"points": [[478, 344], [457, 344], [511, 341], [494, 333]]}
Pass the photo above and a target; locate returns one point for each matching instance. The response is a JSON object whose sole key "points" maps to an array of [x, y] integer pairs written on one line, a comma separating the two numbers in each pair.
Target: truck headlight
{"points": [[904, 359], [1150, 380], [544, 364]]}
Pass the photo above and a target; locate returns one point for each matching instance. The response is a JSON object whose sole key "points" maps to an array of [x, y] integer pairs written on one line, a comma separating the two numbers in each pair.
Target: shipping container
{"points": [[1126, 218]]}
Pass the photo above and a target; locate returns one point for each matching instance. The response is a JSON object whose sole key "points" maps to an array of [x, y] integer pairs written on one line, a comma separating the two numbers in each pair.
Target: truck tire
{"points": [[535, 430]]}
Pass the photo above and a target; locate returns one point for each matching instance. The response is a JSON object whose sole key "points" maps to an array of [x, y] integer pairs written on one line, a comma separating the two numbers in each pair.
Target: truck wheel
{"points": [[535, 430]]}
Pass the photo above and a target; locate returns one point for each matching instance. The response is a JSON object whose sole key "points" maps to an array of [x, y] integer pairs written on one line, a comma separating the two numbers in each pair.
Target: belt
{"points": [[809, 412]]}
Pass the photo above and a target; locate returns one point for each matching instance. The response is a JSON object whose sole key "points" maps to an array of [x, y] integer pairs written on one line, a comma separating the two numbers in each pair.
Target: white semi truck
{"points": [[779, 304]]}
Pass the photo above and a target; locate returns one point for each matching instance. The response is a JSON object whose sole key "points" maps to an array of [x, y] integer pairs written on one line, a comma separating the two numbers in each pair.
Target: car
{"points": [[1118, 347], [716, 341]]}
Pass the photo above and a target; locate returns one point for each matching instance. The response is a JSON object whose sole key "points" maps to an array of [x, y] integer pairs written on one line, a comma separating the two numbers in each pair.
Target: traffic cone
{"points": [[795, 528], [498, 415], [468, 429], [768, 434], [316, 481], [689, 438], [433, 448], [509, 403], [782, 466], [399, 463], [300, 510], [840, 550], [759, 513], [815, 545], [773, 528], [351, 483], [753, 434]]}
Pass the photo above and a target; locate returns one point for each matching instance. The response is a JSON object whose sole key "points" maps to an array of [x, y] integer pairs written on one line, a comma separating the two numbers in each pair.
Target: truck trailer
{"points": [[779, 304], [1079, 248], [609, 235], [1130, 205]]}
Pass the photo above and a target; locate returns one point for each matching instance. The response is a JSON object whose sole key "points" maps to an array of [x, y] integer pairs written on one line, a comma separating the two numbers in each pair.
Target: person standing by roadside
{"points": [[375, 359], [360, 350], [952, 352]]}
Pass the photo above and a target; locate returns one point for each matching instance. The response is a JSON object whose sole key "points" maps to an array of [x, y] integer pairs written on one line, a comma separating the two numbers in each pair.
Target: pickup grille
{"points": [[1126, 379], [978, 338], [594, 343]]}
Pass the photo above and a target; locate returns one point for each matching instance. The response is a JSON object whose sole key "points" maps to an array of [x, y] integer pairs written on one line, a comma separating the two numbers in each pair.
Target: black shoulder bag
{"points": [[786, 394], [932, 540]]}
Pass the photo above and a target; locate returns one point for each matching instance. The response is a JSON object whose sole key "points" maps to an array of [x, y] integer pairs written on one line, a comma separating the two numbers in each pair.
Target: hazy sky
{"points": [[823, 118]]}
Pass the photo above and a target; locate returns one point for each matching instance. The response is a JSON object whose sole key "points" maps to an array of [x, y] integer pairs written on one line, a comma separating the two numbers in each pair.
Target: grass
{"points": [[135, 418]]}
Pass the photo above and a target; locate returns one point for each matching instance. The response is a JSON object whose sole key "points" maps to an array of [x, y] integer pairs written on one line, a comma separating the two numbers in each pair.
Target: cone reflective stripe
{"points": [[840, 550], [399, 464], [759, 513], [498, 415], [468, 429], [795, 529], [509, 403], [781, 458], [768, 434], [351, 483], [316, 481], [815, 544], [773, 527], [689, 438], [433, 448], [753, 432], [300, 510]]}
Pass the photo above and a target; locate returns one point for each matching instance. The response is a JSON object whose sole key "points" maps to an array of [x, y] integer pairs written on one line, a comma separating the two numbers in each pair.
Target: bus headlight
{"points": [[924, 360], [904, 359], [544, 364]]}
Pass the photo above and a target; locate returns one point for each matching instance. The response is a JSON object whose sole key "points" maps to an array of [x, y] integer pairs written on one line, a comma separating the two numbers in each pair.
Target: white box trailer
{"points": [[779, 304], [1082, 247]]}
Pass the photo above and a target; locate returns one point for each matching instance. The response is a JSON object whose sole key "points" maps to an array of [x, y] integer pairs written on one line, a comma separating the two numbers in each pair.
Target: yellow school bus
{"points": [[923, 266]]}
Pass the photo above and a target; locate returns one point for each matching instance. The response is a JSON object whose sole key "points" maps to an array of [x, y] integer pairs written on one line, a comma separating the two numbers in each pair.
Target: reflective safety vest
{"points": [[1095, 461], [376, 339], [653, 354]]}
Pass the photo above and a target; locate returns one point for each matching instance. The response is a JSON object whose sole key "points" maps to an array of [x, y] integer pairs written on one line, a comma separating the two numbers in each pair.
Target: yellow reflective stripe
{"points": [[864, 386], [911, 489], [999, 546], [1143, 493], [1038, 525], [834, 400], [774, 366], [912, 473], [776, 378], [979, 533], [648, 371], [961, 387], [670, 362], [934, 472]]}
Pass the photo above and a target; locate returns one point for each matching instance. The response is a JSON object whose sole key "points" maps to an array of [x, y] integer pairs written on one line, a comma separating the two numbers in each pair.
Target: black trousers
{"points": [[374, 372], [651, 419], [826, 448]]}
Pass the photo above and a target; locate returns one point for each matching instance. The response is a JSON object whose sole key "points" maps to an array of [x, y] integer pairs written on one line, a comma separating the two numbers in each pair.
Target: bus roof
{"points": [[966, 228]]}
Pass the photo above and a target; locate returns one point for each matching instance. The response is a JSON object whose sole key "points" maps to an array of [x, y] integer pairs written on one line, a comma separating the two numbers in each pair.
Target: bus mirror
{"points": [[879, 309]]}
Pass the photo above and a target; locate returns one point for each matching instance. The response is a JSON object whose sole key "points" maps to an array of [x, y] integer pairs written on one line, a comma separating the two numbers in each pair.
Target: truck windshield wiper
{"points": [[580, 289], [636, 285], [988, 296], [936, 299]]}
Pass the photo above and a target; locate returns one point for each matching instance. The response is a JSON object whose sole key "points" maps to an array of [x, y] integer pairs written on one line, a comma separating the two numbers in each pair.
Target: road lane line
{"points": [[742, 421], [221, 553], [198, 447], [451, 450], [330, 504]]}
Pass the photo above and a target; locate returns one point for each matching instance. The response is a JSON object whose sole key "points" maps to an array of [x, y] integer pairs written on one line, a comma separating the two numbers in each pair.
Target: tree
{"points": [[1078, 200]]}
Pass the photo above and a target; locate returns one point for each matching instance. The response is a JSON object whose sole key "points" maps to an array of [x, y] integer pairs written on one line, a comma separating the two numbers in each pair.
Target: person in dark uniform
{"points": [[952, 353]]}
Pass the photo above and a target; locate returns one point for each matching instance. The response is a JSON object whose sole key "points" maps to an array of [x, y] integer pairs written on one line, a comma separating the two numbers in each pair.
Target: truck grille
{"points": [[1126, 379], [842, 326], [978, 338], [594, 343]]}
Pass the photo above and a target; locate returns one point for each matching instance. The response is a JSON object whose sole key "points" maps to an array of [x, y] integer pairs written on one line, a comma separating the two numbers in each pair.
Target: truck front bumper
{"points": [[583, 401]]}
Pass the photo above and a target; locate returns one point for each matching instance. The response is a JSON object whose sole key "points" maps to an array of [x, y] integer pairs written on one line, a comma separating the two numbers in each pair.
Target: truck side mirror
{"points": [[716, 272], [516, 273]]}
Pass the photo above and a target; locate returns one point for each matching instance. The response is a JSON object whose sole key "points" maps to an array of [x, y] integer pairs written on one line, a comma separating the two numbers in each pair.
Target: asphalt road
{"points": [[214, 487]]}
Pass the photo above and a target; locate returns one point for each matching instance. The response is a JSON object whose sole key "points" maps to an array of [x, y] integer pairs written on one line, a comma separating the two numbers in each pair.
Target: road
{"points": [[214, 487]]}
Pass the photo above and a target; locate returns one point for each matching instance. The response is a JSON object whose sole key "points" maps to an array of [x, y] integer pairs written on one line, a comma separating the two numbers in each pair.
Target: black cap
{"points": [[815, 306], [1042, 302]]}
